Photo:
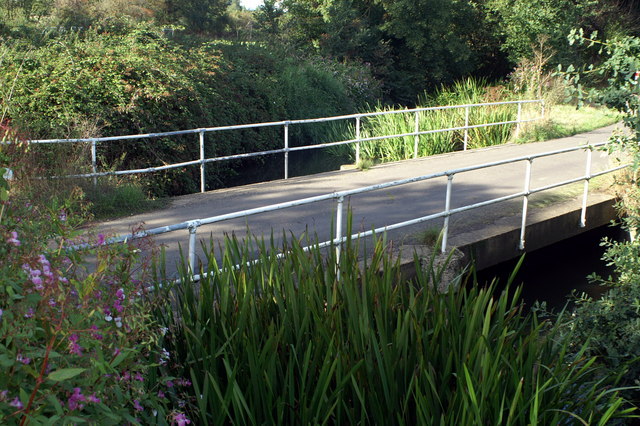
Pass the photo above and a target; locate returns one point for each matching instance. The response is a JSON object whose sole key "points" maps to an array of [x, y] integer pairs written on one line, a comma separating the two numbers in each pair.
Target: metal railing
{"points": [[203, 159], [193, 225]]}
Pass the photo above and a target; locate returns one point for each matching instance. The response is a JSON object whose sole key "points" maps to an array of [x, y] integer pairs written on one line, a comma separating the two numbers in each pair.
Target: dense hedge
{"points": [[118, 78]]}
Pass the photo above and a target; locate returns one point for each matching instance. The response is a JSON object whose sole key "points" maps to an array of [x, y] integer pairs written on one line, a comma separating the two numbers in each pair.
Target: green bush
{"points": [[122, 78], [297, 340]]}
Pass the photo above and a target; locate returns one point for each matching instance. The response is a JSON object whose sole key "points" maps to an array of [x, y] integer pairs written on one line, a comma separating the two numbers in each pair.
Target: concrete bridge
{"points": [[488, 233]]}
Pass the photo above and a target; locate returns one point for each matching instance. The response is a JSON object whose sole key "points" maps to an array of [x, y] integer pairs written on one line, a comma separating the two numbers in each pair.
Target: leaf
{"points": [[65, 374]]}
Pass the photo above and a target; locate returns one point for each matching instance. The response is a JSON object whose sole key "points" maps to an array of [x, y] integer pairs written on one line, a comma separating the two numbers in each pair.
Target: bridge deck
{"points": [[386, 206]]}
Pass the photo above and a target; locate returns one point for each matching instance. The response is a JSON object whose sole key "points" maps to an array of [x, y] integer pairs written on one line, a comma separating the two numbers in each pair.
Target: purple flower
{"points": [[1, 312], [16, 403], [100, 241], [169, 384], [22, 359], [73, 402], [3, 395], [52, 302], [139, 377], [62, 215], [13, 240], [93, 398], [74, 347], [181, 419], [43, 260], [160, 394], [120, 294], [29, 313], [137, 406]]}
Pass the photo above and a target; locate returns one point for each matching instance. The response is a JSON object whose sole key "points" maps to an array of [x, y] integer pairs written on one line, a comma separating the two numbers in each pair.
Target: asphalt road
{"points": [[374, 209]]}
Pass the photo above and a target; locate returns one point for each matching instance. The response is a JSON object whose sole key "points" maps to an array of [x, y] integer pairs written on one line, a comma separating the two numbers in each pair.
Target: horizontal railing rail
{"points": [[286, 149], [339, 196]]}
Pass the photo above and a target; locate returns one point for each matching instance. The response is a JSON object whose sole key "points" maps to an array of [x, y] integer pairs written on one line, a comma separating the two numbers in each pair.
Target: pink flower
{"points": [[181, 419], [74, 347], [93, 398], [22, 359], [100, 241], [74, 399], [16, 403], [13, 240]]}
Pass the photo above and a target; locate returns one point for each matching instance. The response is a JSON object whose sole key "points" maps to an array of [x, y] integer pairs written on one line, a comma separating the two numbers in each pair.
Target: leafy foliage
{"points": [[136, 80], [76, 345]]}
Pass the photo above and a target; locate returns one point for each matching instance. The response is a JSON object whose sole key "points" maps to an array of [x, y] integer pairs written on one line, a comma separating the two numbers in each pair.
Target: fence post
{"points": [[416, 137], [202, 177], [357, 139], [583, 214], [517, 132], [286, 150], [339, 209], [466, 127], [525, 202], [192, 247], [94, 162], [447, 207]]}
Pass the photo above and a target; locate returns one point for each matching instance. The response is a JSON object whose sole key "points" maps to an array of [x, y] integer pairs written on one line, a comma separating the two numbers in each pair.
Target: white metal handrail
{"points": [[286, 149], [193, 225]]}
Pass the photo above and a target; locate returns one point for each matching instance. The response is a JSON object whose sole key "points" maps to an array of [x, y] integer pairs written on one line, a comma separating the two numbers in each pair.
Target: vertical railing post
{"points": [[466, 127], [447, 207], [517, 132], [94, 162], [338, 237], [416, 138], [542, 109], [357, 139], [286, 150], [583, 214], [193, 228], [525, 202], [202, 177]]}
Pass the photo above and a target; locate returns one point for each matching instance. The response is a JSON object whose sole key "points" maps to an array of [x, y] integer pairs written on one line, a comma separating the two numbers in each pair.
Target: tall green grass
{"points": [[298, 341], [470, 91]]}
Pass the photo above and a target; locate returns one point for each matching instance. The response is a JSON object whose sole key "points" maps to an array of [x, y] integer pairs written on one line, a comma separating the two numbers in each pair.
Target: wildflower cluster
{"points": [[77, 339]]}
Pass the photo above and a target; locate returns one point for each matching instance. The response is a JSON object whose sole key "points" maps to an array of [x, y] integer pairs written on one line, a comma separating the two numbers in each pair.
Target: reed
{"points": [[293, 341], [470, 91]]}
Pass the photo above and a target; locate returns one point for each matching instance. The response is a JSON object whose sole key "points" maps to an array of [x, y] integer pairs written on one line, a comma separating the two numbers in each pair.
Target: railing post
{"points": [[357, 139], [202, 177], [517, 132], [286, 150], [94, 162], [525, 202], [542, 109], [466, 127], [416, 138], [339, 212], [447, 207], [583, 214], [193, 228]]}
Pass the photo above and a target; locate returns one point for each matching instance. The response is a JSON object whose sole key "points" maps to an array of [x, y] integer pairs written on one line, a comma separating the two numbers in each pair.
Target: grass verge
{"points": [[567, 120]]}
